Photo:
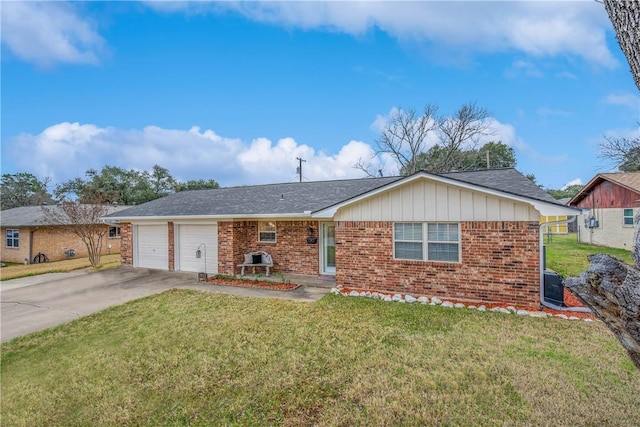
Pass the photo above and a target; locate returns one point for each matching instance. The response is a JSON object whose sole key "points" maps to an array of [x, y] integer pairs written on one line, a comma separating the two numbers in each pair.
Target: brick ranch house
{"points": [[467, 235], [27, 232]]}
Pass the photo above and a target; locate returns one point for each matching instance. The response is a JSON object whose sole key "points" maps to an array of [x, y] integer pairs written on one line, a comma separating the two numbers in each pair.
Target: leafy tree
{"points": [[200, 184], [23, 189], [110, 185], [127, 187], [566, 193], [499, 155]]}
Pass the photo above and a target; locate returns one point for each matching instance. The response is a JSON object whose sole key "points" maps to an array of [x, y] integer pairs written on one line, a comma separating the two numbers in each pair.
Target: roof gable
{"points": [[627, 180], [505, 183]]}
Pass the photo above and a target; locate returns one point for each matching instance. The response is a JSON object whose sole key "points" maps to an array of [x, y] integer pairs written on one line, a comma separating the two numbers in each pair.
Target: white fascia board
{"points": [[545, 208], [137, 219], [549, 209]]}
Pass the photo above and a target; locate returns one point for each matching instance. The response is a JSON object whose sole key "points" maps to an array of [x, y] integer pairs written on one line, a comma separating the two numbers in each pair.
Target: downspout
{"points": [[542, 301]]}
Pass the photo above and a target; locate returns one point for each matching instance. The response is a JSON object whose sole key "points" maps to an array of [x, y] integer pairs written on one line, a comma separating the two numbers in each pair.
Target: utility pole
{"points": [[300, 160]]}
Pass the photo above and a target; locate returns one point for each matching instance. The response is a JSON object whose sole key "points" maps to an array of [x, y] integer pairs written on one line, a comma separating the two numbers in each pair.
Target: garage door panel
{"points": [[193, 237], [153, 246]]}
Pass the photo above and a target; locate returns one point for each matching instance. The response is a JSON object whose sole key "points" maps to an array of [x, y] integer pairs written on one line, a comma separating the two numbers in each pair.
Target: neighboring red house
{"points": [[27, 233], [466, 235], [613, 200]]}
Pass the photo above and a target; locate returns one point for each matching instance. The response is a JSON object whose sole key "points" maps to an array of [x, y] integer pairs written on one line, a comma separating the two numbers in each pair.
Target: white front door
{"points": [[328, 248]]}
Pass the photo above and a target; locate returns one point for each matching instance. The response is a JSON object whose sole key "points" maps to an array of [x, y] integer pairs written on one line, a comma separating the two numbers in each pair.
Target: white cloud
{"points": [[66, 150], [539, 29], [628, 100], [576, 181], [47, 33]]}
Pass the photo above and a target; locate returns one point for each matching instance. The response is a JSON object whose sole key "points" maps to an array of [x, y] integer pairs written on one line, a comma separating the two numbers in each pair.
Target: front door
{"points": [[328, 248]]}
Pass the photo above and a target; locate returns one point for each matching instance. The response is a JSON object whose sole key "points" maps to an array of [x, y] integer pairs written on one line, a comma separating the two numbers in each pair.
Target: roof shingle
{"points": [[306, 197]]}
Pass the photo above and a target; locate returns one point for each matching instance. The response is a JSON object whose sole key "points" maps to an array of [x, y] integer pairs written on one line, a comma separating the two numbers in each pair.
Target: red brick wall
{"points": [[291, 253], [226, 257], [126, 243], [500, 263]]}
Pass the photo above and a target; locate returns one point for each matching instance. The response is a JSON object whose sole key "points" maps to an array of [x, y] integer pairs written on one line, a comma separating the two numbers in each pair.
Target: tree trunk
{"points": [[611, 288], [625, 17]]}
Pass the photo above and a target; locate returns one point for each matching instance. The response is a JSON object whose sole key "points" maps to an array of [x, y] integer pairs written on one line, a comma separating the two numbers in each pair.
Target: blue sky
{"points": [[237, 91]]}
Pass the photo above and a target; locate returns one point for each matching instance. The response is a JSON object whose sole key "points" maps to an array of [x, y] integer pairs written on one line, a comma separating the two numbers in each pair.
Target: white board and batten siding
{"points": [[190, 238], [432, 201], [151, 248]]}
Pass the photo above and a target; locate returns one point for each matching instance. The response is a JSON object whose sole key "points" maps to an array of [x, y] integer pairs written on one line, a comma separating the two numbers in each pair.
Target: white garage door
{"points": [[152, 246], [194, 237]]}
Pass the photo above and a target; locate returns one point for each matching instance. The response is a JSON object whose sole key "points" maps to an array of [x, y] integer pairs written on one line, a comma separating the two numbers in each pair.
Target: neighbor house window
{"points": [[13, 238], [267, 231], [114, 232], [427, 241], [627, 217]]}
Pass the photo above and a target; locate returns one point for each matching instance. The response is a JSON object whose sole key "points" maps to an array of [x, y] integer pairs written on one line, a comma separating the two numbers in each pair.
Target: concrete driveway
{"points": [[34, 303]]}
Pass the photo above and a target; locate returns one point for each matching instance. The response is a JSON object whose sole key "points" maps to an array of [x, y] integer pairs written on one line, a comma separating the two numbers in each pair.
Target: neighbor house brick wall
{"points": [[53, 242], [126, 243], [500, 263], [290, 253]]}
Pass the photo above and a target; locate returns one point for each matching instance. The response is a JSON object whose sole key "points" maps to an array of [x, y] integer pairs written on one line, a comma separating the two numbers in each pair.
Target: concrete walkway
{"points": [[38, 302]]}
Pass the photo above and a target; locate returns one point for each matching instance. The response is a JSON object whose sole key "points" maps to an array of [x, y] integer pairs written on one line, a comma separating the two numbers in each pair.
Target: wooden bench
{"points": [[263, 258]]}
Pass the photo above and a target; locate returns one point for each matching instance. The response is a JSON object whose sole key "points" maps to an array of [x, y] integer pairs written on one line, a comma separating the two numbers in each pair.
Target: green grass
{"points": [[192, 358], [15, 271], [567, 257]]}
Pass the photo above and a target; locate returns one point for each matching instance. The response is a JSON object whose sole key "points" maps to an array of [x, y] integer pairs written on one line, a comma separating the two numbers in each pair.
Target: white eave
{"points": [[545, 208]]}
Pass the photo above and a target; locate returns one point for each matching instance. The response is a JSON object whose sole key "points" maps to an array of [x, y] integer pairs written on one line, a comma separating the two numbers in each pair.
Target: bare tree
{"points": [[405, 135], [623, 152], [83, 220], [462, 130]]}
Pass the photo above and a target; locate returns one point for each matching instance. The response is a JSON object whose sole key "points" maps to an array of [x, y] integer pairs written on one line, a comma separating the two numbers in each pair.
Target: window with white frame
{"points": [[627, 217], [267, 231], [427, 241], [114, 232], [13, 238]]}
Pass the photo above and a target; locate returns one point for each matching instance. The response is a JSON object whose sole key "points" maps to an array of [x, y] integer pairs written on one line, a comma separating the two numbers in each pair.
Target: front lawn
{"points": [[567, 257], [192, 358], [14, 271]]}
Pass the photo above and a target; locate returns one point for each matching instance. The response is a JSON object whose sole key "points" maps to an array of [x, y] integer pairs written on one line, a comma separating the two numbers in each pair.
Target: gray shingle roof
{"points": [[507, 180], [270, 199], [298, 198], [34, 216]]}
